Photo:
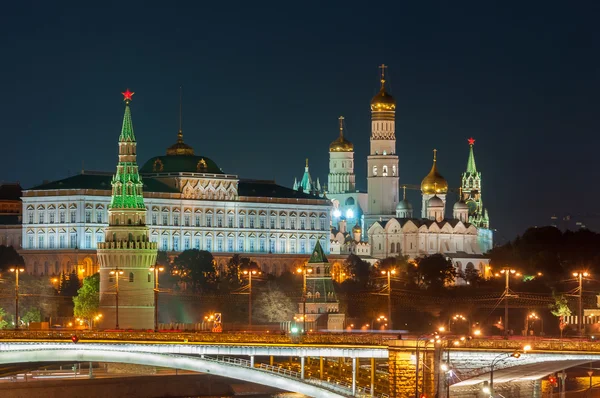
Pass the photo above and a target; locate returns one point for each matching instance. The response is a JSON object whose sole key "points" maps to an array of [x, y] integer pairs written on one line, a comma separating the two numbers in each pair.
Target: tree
{"points": [[5, 319], [87, 300], [433, 272], [32, 314], [69, 284], [471, 275], [273, 305], [357, 269], [196, 269], [560, 309]]}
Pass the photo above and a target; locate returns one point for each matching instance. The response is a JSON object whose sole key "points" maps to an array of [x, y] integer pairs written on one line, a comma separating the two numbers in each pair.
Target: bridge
{"points": [[238, 356]]}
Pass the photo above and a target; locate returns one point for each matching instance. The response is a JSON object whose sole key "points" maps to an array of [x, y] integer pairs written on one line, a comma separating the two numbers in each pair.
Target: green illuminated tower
{"points": [[471, 192], [125, 256]]}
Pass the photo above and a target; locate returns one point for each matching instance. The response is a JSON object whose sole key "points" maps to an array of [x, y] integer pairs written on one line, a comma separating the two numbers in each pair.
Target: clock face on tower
{"points": [[472, 206]]}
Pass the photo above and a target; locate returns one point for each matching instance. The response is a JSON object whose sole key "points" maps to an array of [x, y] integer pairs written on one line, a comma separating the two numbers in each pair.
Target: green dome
{"points": [[180, 164]]}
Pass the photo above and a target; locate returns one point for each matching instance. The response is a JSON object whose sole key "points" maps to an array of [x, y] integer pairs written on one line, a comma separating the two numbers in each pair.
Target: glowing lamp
{"points": [[337, 213], [349, 213]]}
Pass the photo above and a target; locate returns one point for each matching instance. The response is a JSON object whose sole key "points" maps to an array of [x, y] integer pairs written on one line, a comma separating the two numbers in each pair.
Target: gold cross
{"points": [[435, 155], [341, 125], [382, 67]]}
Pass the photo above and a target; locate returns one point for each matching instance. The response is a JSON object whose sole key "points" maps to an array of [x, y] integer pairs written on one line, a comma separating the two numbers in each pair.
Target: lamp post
{"points": [[95, 319], [156, 270], [507, 272], [457, 317], [580, 275], [116, 272], [304, 270], [17, 271], [252, 269], [428, 338], [504, 357], [389, 274]]}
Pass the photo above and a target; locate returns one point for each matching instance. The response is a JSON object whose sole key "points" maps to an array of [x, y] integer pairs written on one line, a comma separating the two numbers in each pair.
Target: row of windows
{"points": [[62, 216], [63, 242], [220, 221], [384, 171], [260, 245], [131, 278]]}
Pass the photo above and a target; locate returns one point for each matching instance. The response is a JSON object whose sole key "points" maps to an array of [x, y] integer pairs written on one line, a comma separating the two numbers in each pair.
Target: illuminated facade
{"points": [[126, 254], [10, 215], [190, 204]]}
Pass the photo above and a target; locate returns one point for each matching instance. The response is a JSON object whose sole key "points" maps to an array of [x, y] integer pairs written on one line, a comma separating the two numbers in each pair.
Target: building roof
{"points": [[180, 164], [10, 191], [269, 189], [99, 181], [317, 256]]}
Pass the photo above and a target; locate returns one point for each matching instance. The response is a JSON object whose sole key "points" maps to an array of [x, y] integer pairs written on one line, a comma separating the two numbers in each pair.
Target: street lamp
{"points": [[17, 271], [507, 272], [534, 317], [116, 272], [389, 274], [454, 319], [156, 270], [95, 319], [252, 269], [500, 358], [304, 270], [381, 318], [580, 275]]}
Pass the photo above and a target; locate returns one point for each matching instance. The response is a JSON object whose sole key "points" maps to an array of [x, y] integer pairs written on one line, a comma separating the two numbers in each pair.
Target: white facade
{"points": [[66, 219]]}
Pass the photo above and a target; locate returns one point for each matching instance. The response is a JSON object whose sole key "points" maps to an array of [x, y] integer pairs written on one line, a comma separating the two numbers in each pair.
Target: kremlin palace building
{"points": [[191, 203]]}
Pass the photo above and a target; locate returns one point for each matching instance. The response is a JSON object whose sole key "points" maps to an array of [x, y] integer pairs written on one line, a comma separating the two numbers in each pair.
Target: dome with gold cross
{"points": [[341, 144], [383, 101], [434, 183]]}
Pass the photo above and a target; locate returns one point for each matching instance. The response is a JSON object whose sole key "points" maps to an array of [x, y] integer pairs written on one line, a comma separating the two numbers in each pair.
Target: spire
{"points": [[471, 162], [318, 256], [127, 129], [127, 186], [382, 67], [306, 167], [180, 147], [341, 127], [403, 192], [295, 188], [180, 133], [307, 182]]}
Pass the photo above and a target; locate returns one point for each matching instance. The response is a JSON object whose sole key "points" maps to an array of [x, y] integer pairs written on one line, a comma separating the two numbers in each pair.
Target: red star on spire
{"points": [[127, 95], [471, 140]]}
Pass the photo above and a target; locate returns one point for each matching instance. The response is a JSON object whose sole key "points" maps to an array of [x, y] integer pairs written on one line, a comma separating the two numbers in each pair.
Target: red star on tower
{"points": [[471, 140], [127, 95]]}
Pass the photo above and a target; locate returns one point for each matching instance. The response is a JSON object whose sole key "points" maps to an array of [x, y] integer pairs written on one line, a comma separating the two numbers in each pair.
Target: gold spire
{"points": [[382, 67], [383, 101], [403, 192], [434, 183], [306, 162], [180, 147], [341, 144]]}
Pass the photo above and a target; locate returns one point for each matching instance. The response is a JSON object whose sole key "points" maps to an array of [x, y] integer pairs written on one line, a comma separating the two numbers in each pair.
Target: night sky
{"points": [[264, 85]]}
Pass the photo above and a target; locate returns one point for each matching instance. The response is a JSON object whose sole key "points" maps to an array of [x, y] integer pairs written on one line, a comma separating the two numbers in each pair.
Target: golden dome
{"points": [[180, 147], [356, 228], [434, 183], [341, 144], [383, 101]]}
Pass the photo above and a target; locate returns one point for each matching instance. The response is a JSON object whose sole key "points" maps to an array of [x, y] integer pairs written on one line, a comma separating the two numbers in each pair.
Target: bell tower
{"points": [[382, 162]]}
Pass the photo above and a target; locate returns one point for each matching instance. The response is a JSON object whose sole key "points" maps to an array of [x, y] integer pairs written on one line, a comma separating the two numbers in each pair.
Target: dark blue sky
{"points": [[264, 84]]}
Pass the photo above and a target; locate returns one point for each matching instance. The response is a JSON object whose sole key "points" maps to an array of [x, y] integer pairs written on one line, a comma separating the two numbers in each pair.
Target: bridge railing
{"points": [[198, 337], [280, 370]]}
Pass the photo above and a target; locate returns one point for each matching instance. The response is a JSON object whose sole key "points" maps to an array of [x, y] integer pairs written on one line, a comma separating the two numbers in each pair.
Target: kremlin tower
{"points": [[382, 162], [341, 164], [471, 192], [125, 256]]}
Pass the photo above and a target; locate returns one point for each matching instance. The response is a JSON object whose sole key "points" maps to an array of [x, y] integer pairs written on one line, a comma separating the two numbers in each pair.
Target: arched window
{"points": [[131, 277], [149, 277], [385, 171], [374, 170], [393, 170], [317, 295], [350, 201], [393, 247]]}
